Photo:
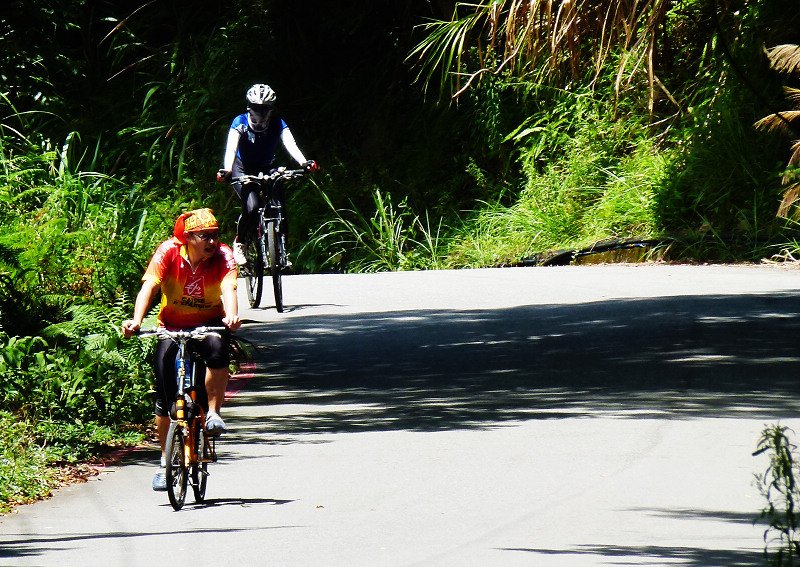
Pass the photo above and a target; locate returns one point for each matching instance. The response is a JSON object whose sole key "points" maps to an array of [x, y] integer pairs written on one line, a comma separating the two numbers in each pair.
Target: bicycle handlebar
{"points": [[196, 333], [274, 175]]}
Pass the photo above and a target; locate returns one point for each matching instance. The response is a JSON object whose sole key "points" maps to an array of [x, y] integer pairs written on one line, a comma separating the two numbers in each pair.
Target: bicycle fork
{"points": [[280, 238], [259, 241]]}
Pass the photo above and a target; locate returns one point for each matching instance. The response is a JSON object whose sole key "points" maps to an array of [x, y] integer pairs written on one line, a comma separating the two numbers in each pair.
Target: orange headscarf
{"points": [[199, 219]]}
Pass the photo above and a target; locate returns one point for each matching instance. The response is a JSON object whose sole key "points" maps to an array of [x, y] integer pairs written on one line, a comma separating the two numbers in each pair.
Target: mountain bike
{"points": [[189, 449], [267, 247]]}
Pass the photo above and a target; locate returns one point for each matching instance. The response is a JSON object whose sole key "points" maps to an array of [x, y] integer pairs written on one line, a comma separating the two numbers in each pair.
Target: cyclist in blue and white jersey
{"points": [[252, 141]]}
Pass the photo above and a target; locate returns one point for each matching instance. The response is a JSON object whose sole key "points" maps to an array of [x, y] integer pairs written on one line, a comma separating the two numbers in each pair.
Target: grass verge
{"points": [[36, 458]]}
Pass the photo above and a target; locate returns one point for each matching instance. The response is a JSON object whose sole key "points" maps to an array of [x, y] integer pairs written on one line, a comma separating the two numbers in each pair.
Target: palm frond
{"points": [[517, 35], [785, 58], [778, 122], [442, 49], [790, 196], [794, 158], [793, 95]]}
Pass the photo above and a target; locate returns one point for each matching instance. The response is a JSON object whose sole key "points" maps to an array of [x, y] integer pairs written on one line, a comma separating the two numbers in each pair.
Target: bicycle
{"points": [[189, 449], [268, 246]]}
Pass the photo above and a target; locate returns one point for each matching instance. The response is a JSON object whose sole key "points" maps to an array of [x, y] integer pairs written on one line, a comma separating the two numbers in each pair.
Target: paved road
{"points": [[540, 416]]}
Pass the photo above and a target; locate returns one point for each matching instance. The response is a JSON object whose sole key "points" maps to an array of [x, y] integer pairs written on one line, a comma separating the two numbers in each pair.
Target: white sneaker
{"points": [[214, 424], [238, 253], [160, 481]]}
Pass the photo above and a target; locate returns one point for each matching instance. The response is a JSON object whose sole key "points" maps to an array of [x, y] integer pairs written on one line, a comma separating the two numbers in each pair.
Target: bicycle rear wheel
{"points": [[177, 473], [199, 469], [255, 271], [275, 264]]}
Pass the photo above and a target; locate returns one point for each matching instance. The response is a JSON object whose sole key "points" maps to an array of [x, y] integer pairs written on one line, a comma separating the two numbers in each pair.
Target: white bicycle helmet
{"points": [[260, 95]]}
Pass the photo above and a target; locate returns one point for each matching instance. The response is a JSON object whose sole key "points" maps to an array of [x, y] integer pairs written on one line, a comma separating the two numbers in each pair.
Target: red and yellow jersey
{"points": [[190, 297]]}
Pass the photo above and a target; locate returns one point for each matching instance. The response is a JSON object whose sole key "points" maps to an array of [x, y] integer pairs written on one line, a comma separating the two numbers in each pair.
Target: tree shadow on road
{"points": [[435, 370], [23, 545], [658, 555], [674, 357]]}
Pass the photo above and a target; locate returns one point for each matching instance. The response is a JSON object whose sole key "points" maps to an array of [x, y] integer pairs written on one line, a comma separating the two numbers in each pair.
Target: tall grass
{"points": [[720, 196], [392, 238], [604, 186]]}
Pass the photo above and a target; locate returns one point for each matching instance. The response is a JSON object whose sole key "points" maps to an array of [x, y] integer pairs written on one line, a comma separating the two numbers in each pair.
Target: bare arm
{"points": [[143, 302], [230, 149], [230, 304], [291, 146]]}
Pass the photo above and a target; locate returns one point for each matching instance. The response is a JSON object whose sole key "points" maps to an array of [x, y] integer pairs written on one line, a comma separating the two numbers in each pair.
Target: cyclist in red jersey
{"points": [[196, 276]]}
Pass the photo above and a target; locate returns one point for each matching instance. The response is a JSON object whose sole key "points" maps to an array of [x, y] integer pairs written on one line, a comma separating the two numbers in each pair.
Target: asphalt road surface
{"points": [[569, 416]]}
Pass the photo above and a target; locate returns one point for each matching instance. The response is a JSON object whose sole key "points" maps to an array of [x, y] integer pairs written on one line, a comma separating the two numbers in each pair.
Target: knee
{"points": [[252, 204]]}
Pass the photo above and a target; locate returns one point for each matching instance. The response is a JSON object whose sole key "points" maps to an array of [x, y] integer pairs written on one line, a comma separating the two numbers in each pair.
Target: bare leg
{"points": [[216, 382], [162, 428]]}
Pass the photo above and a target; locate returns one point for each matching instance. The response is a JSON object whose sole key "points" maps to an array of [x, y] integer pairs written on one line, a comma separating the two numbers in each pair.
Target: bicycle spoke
{"points": [[200, 468], [255, 271], [176, 473], [274, 264]]}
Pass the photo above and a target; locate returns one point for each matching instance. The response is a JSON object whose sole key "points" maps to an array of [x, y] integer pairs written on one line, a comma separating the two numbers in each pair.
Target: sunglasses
{"points": [[260, 113], [207, 236]]}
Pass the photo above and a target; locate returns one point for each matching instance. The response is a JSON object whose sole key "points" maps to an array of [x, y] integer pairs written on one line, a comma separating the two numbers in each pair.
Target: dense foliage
{"points": [[450, 135]]}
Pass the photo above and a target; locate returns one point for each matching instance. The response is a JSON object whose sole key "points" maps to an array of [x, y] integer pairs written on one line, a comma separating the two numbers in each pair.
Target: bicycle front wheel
{"points": [[177, 473], [275, 264], [199, 469], [255, 271]]}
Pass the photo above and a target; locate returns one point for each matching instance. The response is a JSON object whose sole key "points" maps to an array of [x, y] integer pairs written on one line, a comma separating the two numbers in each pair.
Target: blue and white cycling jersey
{"points": [[256, 150]]}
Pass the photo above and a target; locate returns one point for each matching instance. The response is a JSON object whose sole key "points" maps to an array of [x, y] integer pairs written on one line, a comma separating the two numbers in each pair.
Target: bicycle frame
{"points": [[270, 212], [268, 192]]}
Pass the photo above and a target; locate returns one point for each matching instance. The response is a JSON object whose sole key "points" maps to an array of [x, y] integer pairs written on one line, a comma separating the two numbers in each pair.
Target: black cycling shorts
{"points": [[212, 352]]}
